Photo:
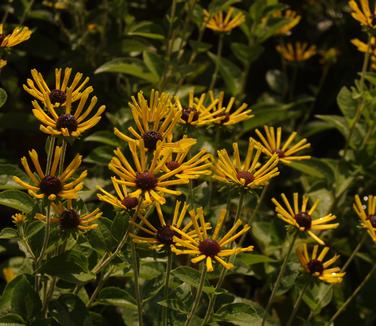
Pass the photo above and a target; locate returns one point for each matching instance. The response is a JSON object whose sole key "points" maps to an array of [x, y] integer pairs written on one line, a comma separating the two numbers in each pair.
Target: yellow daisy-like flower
{"points": [[3, 63], [123, 200], [363, 47], [301, 218], [227, 117], [52, 185], [317, 267], [73, 121], [18, 218], [196, 113], [147, 180], [297, 52], [292, 18], [271, 144], [209, 248], [367, 218], [223, 23], [19, 35], [57, 4], [363, 14], [70, 219], [250, 173], [38, 88], [155, 119]]}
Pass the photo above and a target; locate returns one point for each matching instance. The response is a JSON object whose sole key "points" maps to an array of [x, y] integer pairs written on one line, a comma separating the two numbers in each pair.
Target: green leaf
{"points": [[131, 45], [336, 121], [19, 297], [101, 238], [119, 226], [154, 63], [104, 137], [8, 233], [191, 277], [3, 97], [148, 30], [318, 296], [200, 46], [246, 54], [241, 314], [17, 199], [314, 167], [277, 81], [101, 155], [116, 297], [346, 103], [12, 320], [252, 259]]}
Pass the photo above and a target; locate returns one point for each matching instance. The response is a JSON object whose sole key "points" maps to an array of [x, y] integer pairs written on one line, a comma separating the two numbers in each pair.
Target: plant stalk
{"points": [[217, 62], [136, 282], [297, 303], [166, 310]]}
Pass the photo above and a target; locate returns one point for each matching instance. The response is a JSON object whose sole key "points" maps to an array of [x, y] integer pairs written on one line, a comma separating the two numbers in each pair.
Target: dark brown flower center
{"points": [[165, 235], [209, 247], [57, 96], [146, 181], [67, 121], [50, 185], [130, 202], [247, 176], [187, 112], [226, 117], [69, 220], [151, 138], [280, 153], [172, 165], [315, 266], [372, 219], [304, 220]]}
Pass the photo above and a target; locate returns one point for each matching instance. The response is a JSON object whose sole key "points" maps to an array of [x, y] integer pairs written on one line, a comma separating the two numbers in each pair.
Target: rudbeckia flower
{"points": [[363, 14], [317, 267], [70, 219], [38, 88], [292, 18], [19, 35], [297, 52], [52, 185], [301, 217], [224, 22], [73, 121], [155, 119], [18, 218], [229, 116], [208, 248], [248, 174], [148, 181], [272, 144], [367, 214]]}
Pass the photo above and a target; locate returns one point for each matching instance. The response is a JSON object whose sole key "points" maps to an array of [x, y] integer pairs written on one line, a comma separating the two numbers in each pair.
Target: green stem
{"points": [[197, 297], [96, 290], [49, 294], [240, 206], [136, 283], [50, 153], [298, 302], [279, 277], [26, 12], [211, 183], [213, 297], [217, 62], [46, 235], [166, 310], [353, 295], [62, 157]]}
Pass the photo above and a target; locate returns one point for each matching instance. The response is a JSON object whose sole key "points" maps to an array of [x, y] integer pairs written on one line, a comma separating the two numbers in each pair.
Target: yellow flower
{"points": [[70, 219], [271, 144], [329, 56], [3, 63], [297, 52], [301, 218], [292, 18], [206, 247], [250, 173], [219, 22], [367, 218], [154, 120], [38, 88], [72, 122], [52, 185], [57, 4], [9, 274], [19, 35], [123, 200], [317, 267], [196, 113], [227, 117], [363, 47], [363, 15], [18, 218], [147, 180]]}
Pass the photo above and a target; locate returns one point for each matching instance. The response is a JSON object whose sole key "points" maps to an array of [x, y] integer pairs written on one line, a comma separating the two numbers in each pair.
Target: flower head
{"points": [[70, 219], [52, 184], [223, 23], [329, 56], [18, 218], [250, 173], [302, 218], [20, 34], [3, 63], [363, 14], [296, 52], [271, 144], [317, 267], [208, 248], [292, 19], [367, 214]]}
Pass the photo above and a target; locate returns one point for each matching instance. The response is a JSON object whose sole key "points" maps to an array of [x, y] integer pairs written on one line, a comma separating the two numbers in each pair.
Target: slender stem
{"points": [[217, 62], [96, 290], [48, 296], [62, 157], [279, 277], [166, 310], [353, 295], [197, 297], [213, 297], [298, 302], [46, 234], [50, 153], [240, 206], [136, 283], [211, 183], [26, 12], [24, 241]]}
